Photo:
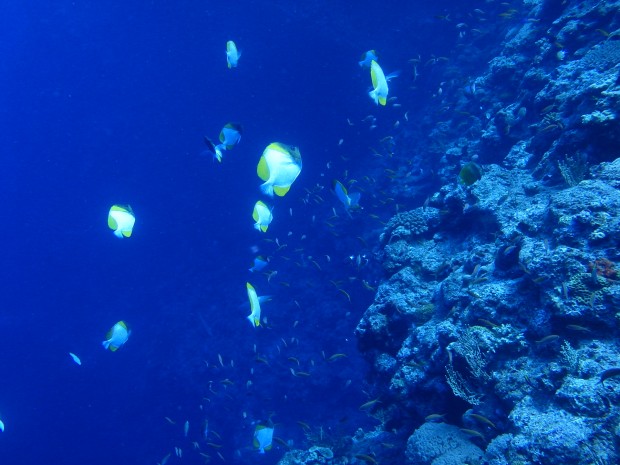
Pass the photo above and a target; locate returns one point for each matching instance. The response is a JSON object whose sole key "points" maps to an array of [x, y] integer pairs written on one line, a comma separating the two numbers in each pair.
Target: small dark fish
{"points": [[482, 419], [487, 323], [365, 458], [578, 328], [609, 373], [549, 338], [473, 433]]}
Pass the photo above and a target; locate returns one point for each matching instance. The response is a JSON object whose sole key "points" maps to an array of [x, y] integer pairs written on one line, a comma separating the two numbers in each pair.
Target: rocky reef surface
{"points": [[494, 336]]}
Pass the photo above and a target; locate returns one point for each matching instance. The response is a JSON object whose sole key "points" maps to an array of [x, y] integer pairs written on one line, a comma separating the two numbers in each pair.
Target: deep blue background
{"points": [[105, 104]]}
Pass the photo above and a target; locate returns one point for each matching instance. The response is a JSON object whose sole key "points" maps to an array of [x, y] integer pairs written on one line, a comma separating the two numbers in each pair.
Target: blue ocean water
{"points": [[107, 104]]}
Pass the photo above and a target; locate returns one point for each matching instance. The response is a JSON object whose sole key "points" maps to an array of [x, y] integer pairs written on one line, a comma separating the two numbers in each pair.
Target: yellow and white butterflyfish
{"points": [[279, 166], [348, 200], [117, 336], [121, 219], [232, 54], [263, 438], [262, 216], [380, 89], [254, 316]]}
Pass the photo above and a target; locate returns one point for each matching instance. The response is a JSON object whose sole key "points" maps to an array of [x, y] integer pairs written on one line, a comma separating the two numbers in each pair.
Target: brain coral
{"points": [[410, 224], [603, 56]]}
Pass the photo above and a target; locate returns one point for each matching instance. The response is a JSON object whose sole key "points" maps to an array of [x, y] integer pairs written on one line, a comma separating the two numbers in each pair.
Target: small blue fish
{"points": [[75, 358], [259, 264], [348, 200], [368, 58], [230, 135]]}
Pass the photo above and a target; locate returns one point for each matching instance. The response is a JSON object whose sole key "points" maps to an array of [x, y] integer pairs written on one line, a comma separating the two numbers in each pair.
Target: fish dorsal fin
{"points": [[113, 348], [264, 227], [277, 146], [262, 169], [127, 232], [255, 216], [382, 101], [112, 224], [281, 191]]}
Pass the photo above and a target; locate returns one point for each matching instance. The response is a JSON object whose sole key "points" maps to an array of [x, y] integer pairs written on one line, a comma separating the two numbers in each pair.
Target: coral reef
{"points": [[500, 307]]}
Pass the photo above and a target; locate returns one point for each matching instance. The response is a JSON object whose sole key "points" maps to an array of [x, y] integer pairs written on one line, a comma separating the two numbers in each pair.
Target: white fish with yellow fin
{"points": [[380, 89], [279, 166], [263, 438], [262, 216], [117, 336], [121, 220], [254, 316], [232, 54]]}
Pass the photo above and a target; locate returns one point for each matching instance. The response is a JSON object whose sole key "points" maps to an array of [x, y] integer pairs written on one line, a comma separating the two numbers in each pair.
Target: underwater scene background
{"points": [[466, 311]]}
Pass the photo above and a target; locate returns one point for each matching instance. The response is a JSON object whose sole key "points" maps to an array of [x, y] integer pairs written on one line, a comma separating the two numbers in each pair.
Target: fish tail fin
{"points": [[217, 152], [106, 344], [374, 96], [252, 321], [267, 189], [354, 199]]}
